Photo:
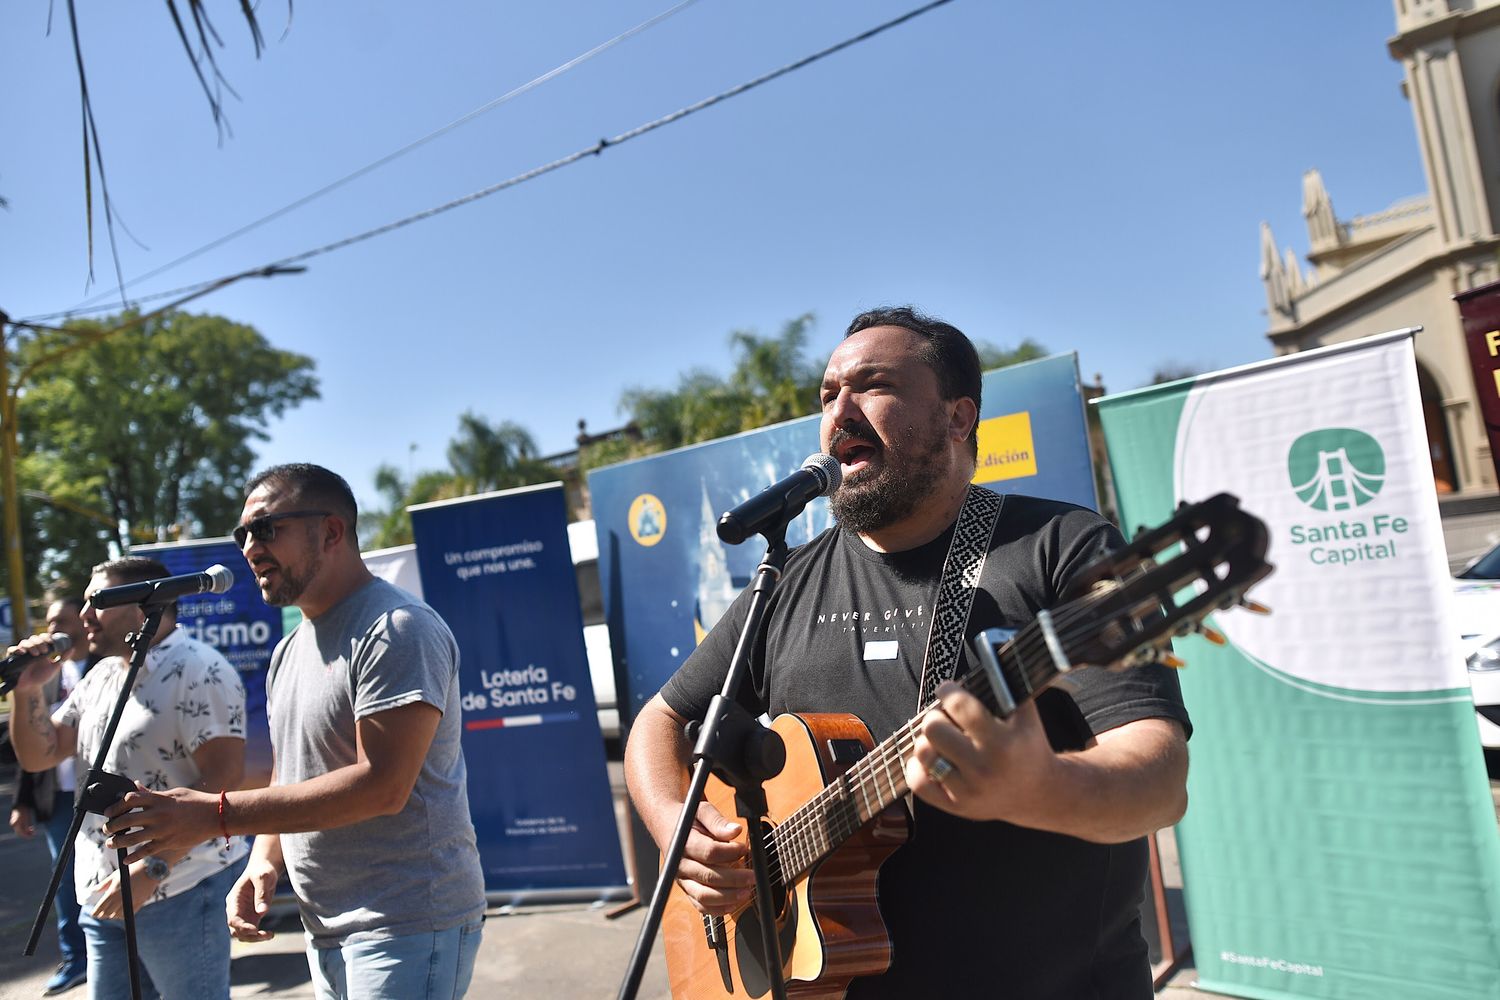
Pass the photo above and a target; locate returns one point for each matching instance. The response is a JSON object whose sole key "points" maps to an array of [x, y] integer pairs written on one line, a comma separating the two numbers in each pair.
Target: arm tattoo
{"points": [[40, 722]]}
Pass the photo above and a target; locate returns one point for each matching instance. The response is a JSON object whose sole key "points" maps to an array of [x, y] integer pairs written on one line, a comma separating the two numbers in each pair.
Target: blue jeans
{"points": [[69, 932], [183, 942], [432, 966]]}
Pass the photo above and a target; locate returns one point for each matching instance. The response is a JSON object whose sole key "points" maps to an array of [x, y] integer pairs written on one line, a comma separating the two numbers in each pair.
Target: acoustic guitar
{"points": [[835, 811]]}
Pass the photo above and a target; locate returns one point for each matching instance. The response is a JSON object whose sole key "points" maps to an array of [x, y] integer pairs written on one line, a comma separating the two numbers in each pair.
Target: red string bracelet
{"points": [[223, 823]]}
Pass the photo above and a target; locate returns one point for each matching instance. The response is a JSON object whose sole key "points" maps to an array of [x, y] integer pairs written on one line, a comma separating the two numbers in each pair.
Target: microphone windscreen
{"points": [[222, 578], [827, 468]]}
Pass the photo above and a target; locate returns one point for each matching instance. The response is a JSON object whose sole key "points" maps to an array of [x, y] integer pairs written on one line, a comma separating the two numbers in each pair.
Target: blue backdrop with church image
{"points": [[666, 577]]}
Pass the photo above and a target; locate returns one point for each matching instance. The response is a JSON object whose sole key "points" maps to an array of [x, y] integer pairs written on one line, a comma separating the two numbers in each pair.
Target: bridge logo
{"points": [[1337, 468]]}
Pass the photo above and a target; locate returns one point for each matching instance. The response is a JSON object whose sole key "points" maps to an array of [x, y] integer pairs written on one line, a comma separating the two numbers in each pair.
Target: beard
{"points": [[289, 585], [907, 470]]}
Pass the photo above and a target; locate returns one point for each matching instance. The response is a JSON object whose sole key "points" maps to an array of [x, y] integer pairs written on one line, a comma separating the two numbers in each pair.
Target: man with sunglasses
{"points": [[183, 724], [368, 811]]}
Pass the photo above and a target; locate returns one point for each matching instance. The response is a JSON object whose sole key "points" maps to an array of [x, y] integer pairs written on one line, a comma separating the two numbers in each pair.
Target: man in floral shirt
{"points": [[183, 725]]}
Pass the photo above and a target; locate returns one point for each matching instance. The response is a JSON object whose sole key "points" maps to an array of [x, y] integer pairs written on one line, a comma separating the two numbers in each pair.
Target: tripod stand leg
{"points": [[128, 903]]}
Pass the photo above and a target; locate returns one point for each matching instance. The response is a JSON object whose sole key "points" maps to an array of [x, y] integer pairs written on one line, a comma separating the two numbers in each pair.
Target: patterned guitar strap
{"points": [[956, 589]]}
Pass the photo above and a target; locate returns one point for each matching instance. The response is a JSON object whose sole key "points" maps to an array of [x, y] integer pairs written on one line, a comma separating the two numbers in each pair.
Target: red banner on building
{"points": [[1480, 309]]}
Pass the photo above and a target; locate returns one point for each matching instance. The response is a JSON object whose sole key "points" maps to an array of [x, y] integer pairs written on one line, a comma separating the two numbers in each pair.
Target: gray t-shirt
{"points": [[388, 876]]}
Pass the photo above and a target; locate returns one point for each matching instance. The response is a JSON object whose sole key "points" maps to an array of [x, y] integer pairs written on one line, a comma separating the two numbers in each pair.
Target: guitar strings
{"points": [[1030, 653], [795, 836], [802, 836], [795, 832]]}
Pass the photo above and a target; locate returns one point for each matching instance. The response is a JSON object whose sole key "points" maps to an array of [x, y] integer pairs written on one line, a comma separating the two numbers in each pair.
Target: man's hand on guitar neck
{"points": [[999, 767], [1130, 782]]}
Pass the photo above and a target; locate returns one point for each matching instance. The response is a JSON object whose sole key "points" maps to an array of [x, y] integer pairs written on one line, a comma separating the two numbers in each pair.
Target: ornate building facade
{"points": [[1401, 266]]}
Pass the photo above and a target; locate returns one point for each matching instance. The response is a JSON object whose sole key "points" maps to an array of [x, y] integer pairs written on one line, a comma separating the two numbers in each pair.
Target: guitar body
{"points": [[829, 922]]}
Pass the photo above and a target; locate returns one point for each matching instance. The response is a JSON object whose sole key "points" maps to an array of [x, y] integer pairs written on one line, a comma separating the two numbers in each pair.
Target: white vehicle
{"points": [[585, 546], [1476, 601]]}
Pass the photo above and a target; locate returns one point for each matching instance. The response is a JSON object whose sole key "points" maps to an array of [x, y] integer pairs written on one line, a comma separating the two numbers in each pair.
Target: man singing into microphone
{"points": [[368, 811], [183, 725], [1023, 876]]}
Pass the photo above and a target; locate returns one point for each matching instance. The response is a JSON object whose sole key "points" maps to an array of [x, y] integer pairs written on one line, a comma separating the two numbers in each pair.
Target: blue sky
{"points": [[1089, 175]]}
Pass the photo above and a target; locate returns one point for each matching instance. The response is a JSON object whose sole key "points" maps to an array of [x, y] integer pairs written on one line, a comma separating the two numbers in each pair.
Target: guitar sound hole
{"points": [[750, 950]]}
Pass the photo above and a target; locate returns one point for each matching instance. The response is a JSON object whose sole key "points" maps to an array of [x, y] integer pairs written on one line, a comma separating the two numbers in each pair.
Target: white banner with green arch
{"points": [[1340, 839]]}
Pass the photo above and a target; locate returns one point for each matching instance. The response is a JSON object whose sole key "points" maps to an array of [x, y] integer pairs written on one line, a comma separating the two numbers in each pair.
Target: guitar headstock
{"points": [[1209, 554]]}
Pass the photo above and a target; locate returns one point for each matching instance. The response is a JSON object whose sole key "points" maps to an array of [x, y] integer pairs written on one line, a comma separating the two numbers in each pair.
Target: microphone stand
{"points": [[100, 790], [744, 754]]}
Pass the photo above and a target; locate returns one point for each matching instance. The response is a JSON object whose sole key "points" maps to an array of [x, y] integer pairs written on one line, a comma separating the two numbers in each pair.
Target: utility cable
{"points": [[546, 168], [347, 178]]}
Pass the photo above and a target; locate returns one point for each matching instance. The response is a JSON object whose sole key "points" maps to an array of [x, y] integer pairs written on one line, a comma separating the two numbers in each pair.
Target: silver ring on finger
{"points": [[940, 769]]}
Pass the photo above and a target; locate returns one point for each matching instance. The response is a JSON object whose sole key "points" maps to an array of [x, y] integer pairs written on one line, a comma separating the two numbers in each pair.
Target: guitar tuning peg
{"points": [[1212, 635], [1254, 607], [1167, 659]]}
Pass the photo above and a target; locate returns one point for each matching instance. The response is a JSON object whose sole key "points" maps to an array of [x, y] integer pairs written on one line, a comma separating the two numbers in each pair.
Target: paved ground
{"points": [[553, 950], [558, 950]]}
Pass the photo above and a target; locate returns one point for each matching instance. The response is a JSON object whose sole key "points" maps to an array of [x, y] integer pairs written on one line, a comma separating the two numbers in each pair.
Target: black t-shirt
{"points": [[973, 908]]}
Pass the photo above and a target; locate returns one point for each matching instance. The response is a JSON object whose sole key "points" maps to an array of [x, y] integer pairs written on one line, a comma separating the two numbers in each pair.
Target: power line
{"points": [[382, 161], [546, 168]]}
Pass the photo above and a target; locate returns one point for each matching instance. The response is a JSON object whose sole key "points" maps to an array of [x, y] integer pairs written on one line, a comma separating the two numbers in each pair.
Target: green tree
{"points": [[198, 42], [392, 526], [702, 407], [771, 381], [771, 375], [148, 432], [1171, 371], [500, 456], [992, 357], [483, 457]]}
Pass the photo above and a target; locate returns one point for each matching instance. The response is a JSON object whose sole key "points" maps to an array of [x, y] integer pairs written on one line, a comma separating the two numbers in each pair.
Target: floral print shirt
{"points": [[185, 695]]}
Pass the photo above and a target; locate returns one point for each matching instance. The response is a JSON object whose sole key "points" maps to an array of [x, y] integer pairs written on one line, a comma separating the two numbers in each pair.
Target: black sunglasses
{"points": [[263, 528]]}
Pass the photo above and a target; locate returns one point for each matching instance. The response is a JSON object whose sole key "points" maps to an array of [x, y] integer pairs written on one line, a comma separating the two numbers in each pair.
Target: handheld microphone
{"points": [[12, 665], [214, 580], [776, 505]]}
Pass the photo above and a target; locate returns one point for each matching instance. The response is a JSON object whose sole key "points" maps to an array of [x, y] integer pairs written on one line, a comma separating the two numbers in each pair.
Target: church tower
{"points": [[1450, 51], [1401, 265]]}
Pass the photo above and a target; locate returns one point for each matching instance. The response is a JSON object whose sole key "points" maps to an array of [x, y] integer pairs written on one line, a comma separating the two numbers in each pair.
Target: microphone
{"points": [[214, 580], [12, 665], [776, 505]]}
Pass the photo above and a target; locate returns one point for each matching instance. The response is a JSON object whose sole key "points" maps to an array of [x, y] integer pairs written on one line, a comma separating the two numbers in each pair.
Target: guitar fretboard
{"points": [[862, 792]]}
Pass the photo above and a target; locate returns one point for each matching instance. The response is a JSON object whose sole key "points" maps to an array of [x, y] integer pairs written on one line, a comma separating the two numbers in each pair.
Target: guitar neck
{"points": [[879, 779], [1166, 580]]}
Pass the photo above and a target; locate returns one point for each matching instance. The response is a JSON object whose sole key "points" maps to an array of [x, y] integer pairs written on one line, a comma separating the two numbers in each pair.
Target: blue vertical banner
{"points": [[667, 578], [238, 623], [498, 568]]}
